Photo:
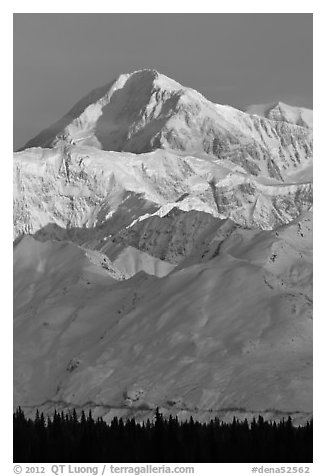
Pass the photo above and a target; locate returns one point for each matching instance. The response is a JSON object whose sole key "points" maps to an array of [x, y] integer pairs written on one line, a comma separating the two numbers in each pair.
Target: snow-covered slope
{"points": [[170, 261], [280, 111], [131, 261], [233, 332]]}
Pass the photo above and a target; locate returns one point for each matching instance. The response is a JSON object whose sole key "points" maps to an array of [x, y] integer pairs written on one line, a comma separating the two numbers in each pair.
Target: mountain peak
{"points": [[160, 79], [280, 111], [111, 110]]}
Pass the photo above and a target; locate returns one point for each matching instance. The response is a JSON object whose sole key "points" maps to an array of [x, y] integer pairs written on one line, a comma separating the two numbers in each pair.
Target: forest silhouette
{"points": [[67, 438]]}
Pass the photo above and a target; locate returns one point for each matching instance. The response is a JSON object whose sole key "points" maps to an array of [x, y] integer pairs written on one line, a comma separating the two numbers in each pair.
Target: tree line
{"points": [[65, 438]]}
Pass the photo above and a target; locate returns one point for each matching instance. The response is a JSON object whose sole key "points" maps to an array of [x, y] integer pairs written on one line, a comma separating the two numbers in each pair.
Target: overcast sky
{"points": [[236, 59]]}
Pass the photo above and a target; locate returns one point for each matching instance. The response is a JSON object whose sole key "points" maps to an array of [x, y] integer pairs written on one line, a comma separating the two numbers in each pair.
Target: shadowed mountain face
{"points": [[122, 120], [171, 257]]}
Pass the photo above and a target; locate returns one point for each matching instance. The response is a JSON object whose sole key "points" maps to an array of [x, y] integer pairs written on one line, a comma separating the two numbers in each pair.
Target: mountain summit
{"points": [[109, 116]]}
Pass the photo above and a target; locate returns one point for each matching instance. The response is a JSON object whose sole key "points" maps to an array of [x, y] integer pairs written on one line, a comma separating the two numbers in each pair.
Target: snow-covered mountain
{"points": [[145, 110], [170, 256]]}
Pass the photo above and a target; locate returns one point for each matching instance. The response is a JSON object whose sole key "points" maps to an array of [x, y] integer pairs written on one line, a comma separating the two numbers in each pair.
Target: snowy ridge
{"points": [[85, 187], [300, 116]]}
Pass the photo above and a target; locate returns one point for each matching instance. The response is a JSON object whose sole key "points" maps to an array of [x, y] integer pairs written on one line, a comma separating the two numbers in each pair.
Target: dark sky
{"points": [[236, 59]]}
